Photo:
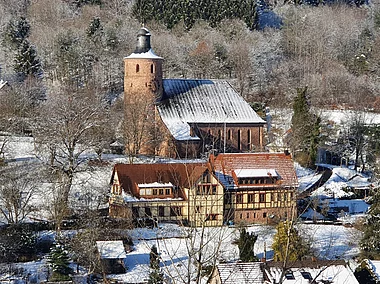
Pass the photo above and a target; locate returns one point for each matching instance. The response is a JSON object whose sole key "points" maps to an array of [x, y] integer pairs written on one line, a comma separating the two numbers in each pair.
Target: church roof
{"points": [[186, 101]]}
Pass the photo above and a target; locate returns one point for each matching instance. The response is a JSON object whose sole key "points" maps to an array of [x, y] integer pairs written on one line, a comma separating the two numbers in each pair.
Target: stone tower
{"points": [[143, 71], [143, 88]]}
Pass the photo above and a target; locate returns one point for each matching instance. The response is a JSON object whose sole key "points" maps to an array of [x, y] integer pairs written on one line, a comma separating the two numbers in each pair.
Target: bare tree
{"points": [[64, 133], [17, 190]]}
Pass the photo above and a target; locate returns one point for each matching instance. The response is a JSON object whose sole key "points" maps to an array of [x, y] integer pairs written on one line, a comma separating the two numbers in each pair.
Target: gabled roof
{"points": [[241, 272], [178, 174], [111, 249], [186, 101], [282, 164]]}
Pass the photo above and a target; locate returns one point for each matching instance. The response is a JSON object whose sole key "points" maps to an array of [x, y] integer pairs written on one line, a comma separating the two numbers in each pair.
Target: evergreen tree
{"points": [[288, 245], [59, 262], [17, 31], [370, 243], [251, 17], [305, 130], [155, 276], [26, 61], [246, 244]]}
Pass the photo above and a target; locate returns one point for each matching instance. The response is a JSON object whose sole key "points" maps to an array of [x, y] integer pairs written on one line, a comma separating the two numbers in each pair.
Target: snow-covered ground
{"points": [[328, 241]]}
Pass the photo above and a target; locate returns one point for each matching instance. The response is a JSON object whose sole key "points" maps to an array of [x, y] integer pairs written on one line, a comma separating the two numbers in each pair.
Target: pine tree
{"points": [[26, 60], [246, 244], [155, 276], [17, 31], [59, 262], [288, 245], [305, 130]]}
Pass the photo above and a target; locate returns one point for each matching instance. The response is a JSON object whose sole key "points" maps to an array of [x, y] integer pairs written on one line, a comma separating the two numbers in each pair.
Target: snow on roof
{"points": [[374, 266], [341, 178], [243, 173], [154, 184], [111, 249], [2, 83], [336, 274], [240, 272], [186, 101], [149, 54]]}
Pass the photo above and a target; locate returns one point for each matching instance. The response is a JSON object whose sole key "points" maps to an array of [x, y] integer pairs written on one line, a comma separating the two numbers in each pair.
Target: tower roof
{"points": [[143, 48]]}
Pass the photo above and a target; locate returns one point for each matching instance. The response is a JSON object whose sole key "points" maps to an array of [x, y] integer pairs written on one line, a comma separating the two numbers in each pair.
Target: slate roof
{"points": [[186, 101], [241, 272], [111, 249], [225, 164], [178, 174]]}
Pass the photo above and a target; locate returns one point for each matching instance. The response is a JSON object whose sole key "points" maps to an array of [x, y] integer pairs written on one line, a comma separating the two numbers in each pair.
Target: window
{"points": [[167, 191], [262, 197], [306, 275], [272, 197], [155, 191], [229, 134], [148, 213], [247, 215], [238, 140], [249, 137], [285, 196], [151, 68], [251, 198], [289, 275], [135, 212], [175, 211], [161, 191], [161, 211], [264, 214], [206, 178], [239, 198], [137, 68], [211, 217], [214, 189]]}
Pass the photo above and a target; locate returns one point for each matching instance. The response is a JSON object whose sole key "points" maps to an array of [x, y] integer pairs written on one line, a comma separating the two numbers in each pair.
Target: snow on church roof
{"points": [[187, 101]]}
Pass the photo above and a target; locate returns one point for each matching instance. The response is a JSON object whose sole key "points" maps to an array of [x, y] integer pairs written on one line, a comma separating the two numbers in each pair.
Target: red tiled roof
{"points": [[179, 174], [282, 163]]}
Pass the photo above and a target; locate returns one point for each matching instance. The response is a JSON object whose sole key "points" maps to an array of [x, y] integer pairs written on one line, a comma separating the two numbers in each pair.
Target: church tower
{"points": [[143, 88], [143, 70]]}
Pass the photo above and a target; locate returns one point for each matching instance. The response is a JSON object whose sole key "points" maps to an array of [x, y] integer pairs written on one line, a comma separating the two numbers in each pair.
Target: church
{"points": [[183, 118]]}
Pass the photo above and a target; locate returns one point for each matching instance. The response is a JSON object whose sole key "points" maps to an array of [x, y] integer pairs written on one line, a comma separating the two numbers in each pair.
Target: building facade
{"points": [[227, 189], [183, 117]]}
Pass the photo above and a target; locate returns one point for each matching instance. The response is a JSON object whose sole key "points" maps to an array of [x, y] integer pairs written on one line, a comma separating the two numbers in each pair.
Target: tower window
{"points": [[151, 68], [137, 68]]}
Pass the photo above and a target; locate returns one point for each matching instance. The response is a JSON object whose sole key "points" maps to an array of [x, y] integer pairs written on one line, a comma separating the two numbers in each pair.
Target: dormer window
{"points": [[256, 176], [156, 190]]}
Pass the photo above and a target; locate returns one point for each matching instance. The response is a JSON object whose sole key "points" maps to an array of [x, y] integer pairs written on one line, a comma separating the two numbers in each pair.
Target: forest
{"points": [[332, 49]]}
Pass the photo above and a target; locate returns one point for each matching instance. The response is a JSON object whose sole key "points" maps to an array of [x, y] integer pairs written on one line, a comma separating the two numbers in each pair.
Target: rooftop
{"points": [[187, 101]]}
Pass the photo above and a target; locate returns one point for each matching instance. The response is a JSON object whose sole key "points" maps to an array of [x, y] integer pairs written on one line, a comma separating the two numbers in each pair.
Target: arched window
{"points": [[249, 136], [137, 68], [238, 140], [151, 68], [229, 134]]}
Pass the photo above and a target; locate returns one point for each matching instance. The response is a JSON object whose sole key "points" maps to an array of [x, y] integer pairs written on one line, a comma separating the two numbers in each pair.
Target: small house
{"points": [[112, 255]]}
